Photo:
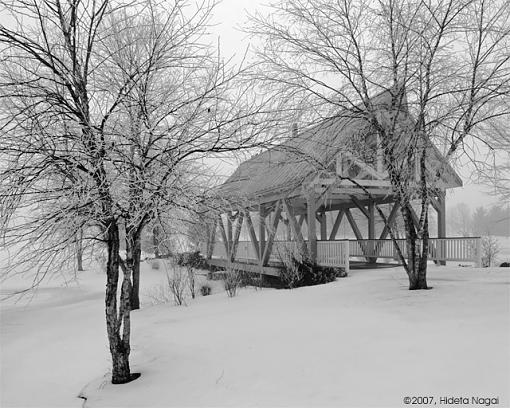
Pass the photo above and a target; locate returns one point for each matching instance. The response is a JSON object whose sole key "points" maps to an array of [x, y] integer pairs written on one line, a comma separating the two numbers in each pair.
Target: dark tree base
{"points": [[132, 377]]}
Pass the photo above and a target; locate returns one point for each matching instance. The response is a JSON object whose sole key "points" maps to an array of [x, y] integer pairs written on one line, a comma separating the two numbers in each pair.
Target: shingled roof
{"points": [[284, 168]]}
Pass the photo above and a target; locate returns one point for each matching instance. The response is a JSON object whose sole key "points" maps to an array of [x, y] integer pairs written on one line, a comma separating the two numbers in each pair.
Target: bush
{"points": [[177, 283], [505, 265], [232, 280], [191, 259], [305, 273], [490, 249], [205, 290]]}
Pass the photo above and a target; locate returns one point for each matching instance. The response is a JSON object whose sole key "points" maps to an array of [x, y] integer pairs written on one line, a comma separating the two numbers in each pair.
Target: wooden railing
{"points": [[245, 251], [440, 249], [337, 253], [329, 253]]}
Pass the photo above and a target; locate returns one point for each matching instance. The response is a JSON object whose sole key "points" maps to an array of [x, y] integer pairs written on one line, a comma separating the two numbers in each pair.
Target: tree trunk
{"points": [[416, 259], [119, 344], [136, 255], [79, 250]]}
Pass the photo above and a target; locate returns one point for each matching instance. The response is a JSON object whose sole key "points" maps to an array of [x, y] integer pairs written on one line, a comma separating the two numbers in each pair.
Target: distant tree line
{"points": [[482, 221]]}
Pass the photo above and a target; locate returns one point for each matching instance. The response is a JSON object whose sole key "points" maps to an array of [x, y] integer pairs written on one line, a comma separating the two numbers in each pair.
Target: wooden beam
{"points": [[389, 221], [229, 231], [223, 234], [353, 224], [262, 230], [253, 236], [247, 267], [441, 215], [211, 240], [312, 234], [360, 207], [269, 245], [371, 229], [441, 221], [336, 225], [323, 222], [371, 220], [288, 230], [237, 234], [295, 227]]}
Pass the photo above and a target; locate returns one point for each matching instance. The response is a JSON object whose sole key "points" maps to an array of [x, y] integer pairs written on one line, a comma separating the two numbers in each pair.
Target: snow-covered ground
{"points": [[361, 341]]}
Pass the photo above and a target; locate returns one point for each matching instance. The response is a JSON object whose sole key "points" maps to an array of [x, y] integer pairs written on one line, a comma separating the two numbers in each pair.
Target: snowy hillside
{"points": [[361, 341]]}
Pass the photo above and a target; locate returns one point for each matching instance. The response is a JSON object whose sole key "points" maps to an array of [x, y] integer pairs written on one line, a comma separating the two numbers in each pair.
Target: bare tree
{"points": [[186, 104], [461, 220], [105, 108], [426, 76]]}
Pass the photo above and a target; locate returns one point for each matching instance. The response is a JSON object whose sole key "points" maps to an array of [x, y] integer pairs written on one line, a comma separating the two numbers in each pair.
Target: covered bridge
{"points": [[292, 198]]}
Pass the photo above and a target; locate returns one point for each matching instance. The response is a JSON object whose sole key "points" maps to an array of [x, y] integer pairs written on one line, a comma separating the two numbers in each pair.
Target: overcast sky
{"points": [[231, 14]]}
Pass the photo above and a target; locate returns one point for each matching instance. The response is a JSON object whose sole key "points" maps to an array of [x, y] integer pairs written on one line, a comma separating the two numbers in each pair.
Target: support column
{"points": [[324, 226], [441, 215], [288, 229], [262, 231], [312, 234], [211, 239], [441, 221], [229, 233], [371, 231]]}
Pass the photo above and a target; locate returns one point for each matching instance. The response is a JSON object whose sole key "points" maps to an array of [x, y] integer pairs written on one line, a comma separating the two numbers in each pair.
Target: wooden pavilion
{"points": [[291, 195]]}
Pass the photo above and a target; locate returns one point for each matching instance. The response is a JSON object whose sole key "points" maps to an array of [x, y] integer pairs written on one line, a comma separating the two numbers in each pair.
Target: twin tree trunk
{"points": [[416, 254]]}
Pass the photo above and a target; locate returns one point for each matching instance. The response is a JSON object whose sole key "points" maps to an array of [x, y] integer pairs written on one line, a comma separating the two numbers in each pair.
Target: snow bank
{"points": [[364, 341]]}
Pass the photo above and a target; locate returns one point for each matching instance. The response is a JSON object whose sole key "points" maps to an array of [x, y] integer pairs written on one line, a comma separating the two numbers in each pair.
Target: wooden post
{"points": [[223, 234], [211, 240], [274, 227], [441, 223], [288, 229], [296, 228], [237, 234], [312, 234], [262, 231], [229, 232], [324, 226], [371, 231], [336, 225], [253, 236]]}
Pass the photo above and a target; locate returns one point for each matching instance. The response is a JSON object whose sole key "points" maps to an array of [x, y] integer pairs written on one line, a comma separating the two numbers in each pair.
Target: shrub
{"points": [[505, 265], [205, 290], [177, 284], [191, 259], [292, 274], [490, 249], [297, 273], [232, 280]]}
